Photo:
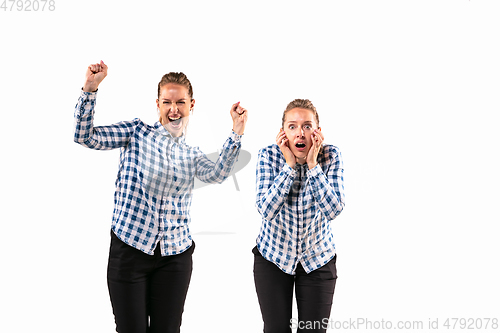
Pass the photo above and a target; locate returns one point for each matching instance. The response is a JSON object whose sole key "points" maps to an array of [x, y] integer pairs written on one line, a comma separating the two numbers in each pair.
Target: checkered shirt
{"points": [[155, 177], [297, 207]]}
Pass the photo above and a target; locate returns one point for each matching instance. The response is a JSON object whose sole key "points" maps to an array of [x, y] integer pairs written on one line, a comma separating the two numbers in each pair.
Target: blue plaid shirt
{"points": [[297, 207], [155, 177]]}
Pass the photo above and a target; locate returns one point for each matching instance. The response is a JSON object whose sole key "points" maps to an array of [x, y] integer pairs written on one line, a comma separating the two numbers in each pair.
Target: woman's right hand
{"points": [[282, 142], [94, 76]]}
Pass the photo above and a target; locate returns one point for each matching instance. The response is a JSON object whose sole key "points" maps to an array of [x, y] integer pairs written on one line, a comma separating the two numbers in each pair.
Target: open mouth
{"points": [[300, 145], [175, 121]]}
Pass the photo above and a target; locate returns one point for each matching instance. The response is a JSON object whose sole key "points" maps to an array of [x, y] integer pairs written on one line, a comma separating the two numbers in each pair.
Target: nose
{"points": [[300, 133], [174, 107]]}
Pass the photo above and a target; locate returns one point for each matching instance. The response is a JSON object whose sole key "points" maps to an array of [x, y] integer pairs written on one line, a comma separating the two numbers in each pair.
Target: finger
{"points": [[319, 139], [319, 136], [94, 68], [315, 136], [280, 139], [315, 140], [240, 110], [235, 106], [104, 68]]}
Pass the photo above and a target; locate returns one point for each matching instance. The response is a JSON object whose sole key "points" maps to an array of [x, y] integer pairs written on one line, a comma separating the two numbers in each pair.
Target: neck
{"points": [[300, 160]]}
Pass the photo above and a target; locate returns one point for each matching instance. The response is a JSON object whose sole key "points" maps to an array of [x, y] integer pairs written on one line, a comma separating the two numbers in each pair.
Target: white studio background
{"points": [[408, 90]]}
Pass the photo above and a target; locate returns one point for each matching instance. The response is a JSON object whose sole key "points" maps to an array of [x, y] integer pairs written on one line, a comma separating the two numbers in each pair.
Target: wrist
{"points": [[291, 163], [238, 130], [89, 88]]}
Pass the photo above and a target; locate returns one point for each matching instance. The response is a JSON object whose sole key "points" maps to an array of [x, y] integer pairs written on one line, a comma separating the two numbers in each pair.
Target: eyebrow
{"points": [[293, 122], [166, 99]]}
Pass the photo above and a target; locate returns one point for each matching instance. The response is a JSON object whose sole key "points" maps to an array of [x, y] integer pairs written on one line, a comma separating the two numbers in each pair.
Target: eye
{"points": [[166, 102], [291, 127], [181, 102], [308, 127]]}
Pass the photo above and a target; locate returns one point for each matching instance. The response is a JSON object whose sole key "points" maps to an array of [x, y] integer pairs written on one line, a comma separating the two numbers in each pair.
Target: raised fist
{"points": [[94, 76]]}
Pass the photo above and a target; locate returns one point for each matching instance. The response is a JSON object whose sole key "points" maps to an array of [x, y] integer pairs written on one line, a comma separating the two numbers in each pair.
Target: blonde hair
{"points": [[177, 78], [303, 104]]}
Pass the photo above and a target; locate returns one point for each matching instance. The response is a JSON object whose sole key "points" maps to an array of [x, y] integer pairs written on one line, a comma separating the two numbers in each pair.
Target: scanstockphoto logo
{"points": [[437, 324], [164, 175], [356, 324], [243, 159]]}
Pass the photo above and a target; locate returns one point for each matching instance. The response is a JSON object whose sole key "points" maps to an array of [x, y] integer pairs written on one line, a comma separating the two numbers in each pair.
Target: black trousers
{"points": [[314, 294], [147, 292]]}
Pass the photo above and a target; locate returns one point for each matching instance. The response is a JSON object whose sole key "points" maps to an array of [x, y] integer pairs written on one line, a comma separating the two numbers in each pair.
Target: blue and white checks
{"points": [[297, 207], [155, 177]]}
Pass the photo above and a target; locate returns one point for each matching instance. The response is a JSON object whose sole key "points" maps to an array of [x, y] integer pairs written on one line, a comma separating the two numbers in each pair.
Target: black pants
{"points": [[314, 293], [147, 292]]}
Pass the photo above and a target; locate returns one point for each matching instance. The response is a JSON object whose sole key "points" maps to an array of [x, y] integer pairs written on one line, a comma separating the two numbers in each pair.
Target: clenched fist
{"points": [[239, 116], [94, 76]]}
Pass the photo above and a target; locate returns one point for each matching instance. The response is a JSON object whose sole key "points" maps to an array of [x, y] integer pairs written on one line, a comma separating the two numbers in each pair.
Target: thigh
{"points": [[167, 291], [275, 293], [314, 292], [127, 285]]}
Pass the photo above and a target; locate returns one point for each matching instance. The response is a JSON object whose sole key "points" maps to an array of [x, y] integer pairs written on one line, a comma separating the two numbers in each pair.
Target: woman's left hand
{"points": [[317, 141], [239, 116]]}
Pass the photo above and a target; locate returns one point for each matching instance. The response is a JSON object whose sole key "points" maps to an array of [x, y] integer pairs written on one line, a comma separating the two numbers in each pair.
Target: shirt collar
{"points": [[301, 166]]}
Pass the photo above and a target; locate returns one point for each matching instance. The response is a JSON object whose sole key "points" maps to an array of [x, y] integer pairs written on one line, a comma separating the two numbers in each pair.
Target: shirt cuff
{"points": [[314, 172], [89, 95], [235, 137], [288, 170]]}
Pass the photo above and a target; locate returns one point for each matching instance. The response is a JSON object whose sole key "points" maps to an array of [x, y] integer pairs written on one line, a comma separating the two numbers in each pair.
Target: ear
{"points": [[319, 129], [157, 104], [192, 104]]}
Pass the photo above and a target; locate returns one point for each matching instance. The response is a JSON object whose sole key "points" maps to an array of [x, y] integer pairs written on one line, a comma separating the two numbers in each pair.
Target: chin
{"points": [[300, 155]]}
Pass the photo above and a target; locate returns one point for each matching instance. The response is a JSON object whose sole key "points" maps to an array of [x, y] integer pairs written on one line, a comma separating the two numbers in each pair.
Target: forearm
{"points": [[271, 193], [219, 171], [102, 137], [84, 118], [327, 191]]}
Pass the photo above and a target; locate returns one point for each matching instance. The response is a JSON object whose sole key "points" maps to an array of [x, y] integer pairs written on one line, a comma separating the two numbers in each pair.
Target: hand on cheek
{"points": [[316, 143], [283, 143]]}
